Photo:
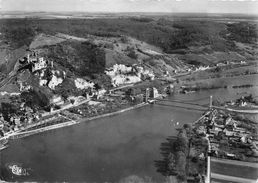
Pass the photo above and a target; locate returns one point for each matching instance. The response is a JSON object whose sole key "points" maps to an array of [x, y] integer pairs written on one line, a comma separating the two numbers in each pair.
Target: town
{"points": [[93, 100], [128, 89]]}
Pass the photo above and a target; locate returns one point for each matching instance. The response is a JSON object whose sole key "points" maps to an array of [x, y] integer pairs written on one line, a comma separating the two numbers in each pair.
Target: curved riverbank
{"points": [[16, 135]]}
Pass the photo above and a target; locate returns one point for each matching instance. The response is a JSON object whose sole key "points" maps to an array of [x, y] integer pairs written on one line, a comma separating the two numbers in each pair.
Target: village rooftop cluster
{"points": [[230, 136]]}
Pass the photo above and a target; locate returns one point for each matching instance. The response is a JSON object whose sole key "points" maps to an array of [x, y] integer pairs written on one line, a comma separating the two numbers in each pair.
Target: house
{"points": [[230, 155], [1, 124], [54, 82], [83, 84], [57, 100], [121, 74], [240, 130], [201, 130], [75, 100], [229, 121], [219, 126], [24, 87], [170, 89], [23, 60], [229, 133], [147, 94], [124, 79], [39, 64], [218, 129], [101, 92]]}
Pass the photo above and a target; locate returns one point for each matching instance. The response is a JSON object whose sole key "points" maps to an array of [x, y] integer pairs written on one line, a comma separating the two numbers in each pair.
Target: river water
{"points": [[108, 149]]}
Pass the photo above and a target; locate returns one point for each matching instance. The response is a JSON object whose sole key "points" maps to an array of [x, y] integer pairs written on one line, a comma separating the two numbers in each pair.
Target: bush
{"points": [[7, 109], [180, 166], [131, 53], [181, 143], [35, 99]]}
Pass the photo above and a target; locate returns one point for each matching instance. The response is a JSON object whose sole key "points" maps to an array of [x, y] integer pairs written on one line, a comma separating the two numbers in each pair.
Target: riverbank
{"points": [[16, 135]]}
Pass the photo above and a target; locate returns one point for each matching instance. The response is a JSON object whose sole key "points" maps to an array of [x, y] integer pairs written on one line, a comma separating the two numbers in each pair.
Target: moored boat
{"points": [[2, 147], [3, 144], [17, 169]]}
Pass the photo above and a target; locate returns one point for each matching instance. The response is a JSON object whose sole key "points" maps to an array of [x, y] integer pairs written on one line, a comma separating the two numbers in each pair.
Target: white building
{"points": [[123, 79], [155, 92], [54, 82], [40, 64], [57, 100], [83, 84], [121, 74]]}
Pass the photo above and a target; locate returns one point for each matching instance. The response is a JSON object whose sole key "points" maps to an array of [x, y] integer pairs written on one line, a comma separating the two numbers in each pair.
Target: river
{"points": [[108, 149]]}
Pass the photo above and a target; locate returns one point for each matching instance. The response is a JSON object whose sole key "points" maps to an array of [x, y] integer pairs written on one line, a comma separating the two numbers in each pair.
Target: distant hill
{"points": [[180, 35]]}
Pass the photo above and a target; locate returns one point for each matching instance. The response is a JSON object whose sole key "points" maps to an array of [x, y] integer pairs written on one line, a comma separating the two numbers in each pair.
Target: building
{"points": [[54, 82], [147, 95], [170, 89], [39, 64], [57, 100], [154, 93], [83, 84]]}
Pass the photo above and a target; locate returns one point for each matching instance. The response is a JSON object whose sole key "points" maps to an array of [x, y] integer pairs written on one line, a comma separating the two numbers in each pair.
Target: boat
{"points": [[3, 144], [17, 169], [151, 101], [188, 91], [2, 147]]}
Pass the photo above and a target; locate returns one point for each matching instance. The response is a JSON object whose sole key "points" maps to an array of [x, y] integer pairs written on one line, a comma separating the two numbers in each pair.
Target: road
{"points": [[7, 80], [233, 171], [219, 178], [233, 162], [121, 87], [65, 107]]}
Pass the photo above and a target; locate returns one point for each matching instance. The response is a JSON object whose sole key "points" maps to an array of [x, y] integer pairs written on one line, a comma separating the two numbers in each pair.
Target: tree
{"points": [[35, 99], [181, 143], [180, 166], [7, 109]]}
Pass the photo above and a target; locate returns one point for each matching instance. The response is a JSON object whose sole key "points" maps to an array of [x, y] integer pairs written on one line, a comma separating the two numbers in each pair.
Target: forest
{"points": [[167, 34]]}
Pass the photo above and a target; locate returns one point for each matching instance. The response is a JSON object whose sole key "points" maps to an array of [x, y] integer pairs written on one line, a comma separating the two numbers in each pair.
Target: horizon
{"points": [[132, 13], [246, 7]]}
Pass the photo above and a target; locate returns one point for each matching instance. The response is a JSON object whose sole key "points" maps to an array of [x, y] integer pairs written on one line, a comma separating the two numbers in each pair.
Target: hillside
{"points": [[193, 40], [68, 59], [94, 54]]}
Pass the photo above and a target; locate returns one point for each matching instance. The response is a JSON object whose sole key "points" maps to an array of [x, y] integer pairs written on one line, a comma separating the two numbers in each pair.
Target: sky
{"points": [[172, 6]]}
